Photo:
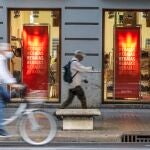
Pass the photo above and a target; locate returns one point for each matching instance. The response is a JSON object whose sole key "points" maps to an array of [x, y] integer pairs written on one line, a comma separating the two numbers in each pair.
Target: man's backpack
{"points": [[67, 72]]}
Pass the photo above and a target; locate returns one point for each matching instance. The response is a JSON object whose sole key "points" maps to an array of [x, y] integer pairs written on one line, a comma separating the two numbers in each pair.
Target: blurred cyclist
{"points": [[5, 78]]}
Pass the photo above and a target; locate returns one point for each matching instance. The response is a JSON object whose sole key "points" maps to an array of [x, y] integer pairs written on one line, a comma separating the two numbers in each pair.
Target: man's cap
{"points": [[79, 52], [5, 46]]}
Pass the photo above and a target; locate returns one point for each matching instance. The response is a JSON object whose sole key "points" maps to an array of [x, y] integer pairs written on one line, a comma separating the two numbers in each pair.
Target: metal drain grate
{"points": [[135, 138]]}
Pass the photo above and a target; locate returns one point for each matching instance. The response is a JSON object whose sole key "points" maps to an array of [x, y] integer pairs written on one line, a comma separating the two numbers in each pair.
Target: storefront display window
{"points": [[35, 40], [126, 56]]}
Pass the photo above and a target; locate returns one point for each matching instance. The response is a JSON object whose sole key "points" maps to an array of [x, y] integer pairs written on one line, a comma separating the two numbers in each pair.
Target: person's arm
{"points": [[12, 65], [5, 75], [81, 68]]}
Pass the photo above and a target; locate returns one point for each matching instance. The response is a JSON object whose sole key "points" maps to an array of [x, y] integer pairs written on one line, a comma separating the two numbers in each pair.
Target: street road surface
{"points": [[92, 146]]}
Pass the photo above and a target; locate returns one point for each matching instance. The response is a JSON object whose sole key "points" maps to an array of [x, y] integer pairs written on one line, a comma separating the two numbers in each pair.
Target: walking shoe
{"points": [[4, 133], [58, 117]]}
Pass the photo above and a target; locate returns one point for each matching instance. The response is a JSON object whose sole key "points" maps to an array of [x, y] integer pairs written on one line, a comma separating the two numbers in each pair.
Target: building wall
{"points": [[81, 29]]}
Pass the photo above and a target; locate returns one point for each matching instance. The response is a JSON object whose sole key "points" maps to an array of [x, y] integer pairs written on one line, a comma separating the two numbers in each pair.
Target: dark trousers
{"points": [[77, 91]]}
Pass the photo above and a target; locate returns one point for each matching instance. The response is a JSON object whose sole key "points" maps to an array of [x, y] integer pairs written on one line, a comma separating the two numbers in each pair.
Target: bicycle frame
{"points": [[17, 114], [32, 119]]}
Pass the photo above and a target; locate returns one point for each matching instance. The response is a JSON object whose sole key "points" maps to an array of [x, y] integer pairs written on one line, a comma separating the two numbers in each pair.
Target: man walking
{"points": [[76, 90]]}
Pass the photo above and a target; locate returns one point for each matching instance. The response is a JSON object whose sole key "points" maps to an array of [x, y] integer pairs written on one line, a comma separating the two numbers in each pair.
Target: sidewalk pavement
{"points": [[107, 129]]}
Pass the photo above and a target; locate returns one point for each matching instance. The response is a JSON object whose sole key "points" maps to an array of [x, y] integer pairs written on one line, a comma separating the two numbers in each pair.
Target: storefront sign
{"points": [[127, 62], [35, 56]]}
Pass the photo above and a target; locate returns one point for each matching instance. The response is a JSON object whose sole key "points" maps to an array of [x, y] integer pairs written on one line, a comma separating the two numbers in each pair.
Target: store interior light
{"points": [[31, 17]]}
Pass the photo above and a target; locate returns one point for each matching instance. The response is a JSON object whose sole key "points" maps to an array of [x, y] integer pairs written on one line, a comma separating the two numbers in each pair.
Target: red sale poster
{"points": [[35, 56], [127, 62]]}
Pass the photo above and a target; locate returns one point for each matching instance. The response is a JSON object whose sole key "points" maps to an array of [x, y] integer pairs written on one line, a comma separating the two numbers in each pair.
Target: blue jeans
{"points": [[4, 98], [1, 113]]}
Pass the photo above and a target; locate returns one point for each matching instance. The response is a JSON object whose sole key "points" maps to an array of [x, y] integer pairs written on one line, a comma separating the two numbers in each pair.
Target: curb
{"points": [[69, 137]]}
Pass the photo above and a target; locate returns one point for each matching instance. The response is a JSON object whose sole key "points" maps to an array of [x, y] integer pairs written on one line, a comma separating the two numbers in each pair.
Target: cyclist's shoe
{"points": [[4, 133]]}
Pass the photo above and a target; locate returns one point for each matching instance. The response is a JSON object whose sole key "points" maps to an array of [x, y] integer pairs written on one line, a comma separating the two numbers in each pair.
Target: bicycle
{"points": [[35, 126]]}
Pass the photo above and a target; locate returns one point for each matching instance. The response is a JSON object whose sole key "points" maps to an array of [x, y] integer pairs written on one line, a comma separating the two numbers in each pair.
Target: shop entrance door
{"points": [[35, 59]]}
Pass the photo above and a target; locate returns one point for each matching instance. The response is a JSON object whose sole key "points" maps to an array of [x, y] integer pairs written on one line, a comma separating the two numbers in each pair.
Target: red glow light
{"points": [[127, 62], [35, 56], [127, 49]]}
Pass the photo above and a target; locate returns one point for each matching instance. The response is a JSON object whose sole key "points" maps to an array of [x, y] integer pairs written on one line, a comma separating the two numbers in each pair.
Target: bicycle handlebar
{"points": [[21, 88], [15, 85]]}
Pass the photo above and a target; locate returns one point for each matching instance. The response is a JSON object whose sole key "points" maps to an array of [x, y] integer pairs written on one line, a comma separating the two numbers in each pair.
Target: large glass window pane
{"points": [[36, 19], [132, 24]]}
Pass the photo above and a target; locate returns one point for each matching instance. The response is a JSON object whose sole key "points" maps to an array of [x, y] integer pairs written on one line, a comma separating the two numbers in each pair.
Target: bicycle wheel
{"points": [[45, 129]]}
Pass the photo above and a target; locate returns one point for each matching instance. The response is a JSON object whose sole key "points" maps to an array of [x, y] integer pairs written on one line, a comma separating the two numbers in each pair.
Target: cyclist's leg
{"points": [[1, 114]]}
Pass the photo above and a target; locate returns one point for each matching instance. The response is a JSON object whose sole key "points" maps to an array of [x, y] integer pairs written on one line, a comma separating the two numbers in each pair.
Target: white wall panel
{"points": [[127, 4], [1, 29], [1, 12], [82, 3], [36, 3], [82, 31], [87, 46], [73, 15]]}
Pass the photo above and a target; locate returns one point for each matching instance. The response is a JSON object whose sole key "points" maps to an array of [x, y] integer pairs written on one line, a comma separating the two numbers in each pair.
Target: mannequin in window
{"points": [[16, 65], [53, 78], [53, 69]]}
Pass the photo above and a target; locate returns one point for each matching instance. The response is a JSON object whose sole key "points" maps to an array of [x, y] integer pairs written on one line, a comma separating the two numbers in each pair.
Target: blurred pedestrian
{"points": [[5, 78]]}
